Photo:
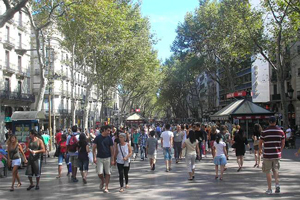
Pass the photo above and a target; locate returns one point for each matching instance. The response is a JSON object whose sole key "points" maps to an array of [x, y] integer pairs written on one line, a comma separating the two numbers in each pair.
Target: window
{"points": [[7, 85], [20, 62], [20, 40], [19, 87], [275, 89], [7, 58], [7, 33]]}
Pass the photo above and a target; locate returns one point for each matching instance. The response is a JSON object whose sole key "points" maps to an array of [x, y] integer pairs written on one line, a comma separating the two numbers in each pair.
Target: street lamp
{"points": [[290, 92]]}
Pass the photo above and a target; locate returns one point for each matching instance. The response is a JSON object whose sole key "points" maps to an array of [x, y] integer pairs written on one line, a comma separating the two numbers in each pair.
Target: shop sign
{"points": [[236, 94]]}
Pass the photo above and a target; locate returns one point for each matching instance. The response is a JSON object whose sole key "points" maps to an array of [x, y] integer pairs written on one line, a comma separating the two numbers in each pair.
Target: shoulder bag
{"points": [[126, 163]]}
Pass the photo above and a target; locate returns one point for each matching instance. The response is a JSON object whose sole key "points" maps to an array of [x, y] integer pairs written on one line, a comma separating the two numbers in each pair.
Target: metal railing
{"points": [[17, 96]]}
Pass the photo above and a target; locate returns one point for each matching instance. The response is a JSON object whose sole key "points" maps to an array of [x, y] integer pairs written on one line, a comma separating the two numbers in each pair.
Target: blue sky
{"points": [[164, 17]]}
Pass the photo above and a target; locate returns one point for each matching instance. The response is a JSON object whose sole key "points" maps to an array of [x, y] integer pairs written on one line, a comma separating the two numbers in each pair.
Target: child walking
{"points": [[221, 155]]}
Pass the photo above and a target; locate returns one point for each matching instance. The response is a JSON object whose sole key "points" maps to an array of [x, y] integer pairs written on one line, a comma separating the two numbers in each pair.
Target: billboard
{"points": [[260, 80]]}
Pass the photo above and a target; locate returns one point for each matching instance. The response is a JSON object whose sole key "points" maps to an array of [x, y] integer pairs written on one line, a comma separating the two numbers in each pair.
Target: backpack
{"points": [[73, 143]]}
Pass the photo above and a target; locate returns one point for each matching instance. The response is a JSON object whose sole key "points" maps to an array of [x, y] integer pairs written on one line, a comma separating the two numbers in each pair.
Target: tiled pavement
{"points": [[250, 183]]}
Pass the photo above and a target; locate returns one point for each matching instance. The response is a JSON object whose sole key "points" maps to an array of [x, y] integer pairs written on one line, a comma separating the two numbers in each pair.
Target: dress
{"points": [[240, 143]]}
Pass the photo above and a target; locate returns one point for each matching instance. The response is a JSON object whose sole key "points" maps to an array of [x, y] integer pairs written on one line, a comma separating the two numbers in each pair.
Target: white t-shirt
{"points": [[288, 133], [166, 135], [219, 148]]}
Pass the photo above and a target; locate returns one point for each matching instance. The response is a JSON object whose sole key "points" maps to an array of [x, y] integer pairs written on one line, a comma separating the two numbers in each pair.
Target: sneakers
{"points": [[75, 180], [277, 189], [268, 192]]}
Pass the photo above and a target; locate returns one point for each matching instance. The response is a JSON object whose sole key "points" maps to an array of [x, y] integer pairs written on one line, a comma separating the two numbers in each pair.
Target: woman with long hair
{"points": [[122, 156], [256, 136], [221, 155], [62, 145], [192, 148], [83, 158], [240, 141], [213, 135], [14, 150]]}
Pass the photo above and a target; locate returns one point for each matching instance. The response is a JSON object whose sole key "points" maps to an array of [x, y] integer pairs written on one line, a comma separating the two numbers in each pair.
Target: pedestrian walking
{"points": [[192, 148], [135, 136], [256, 137], [46, 139], [142, 142], [104, 156], [72, 143], [36, 148], [213, 136], [14, 150], [273, 139], [167, 144], [151, 149], [240, 141], [178, 137], [83, 158], [62, 155], [221, 155], [122, 156]]}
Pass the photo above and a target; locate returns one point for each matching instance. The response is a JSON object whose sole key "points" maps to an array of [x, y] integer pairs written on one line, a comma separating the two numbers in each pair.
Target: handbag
{"points": [[126, 163]]}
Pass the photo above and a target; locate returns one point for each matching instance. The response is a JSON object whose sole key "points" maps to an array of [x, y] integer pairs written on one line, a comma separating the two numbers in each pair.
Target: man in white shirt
{"points": [[167, 144]]}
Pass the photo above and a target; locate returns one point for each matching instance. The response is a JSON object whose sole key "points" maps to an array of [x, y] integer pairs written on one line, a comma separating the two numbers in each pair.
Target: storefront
{"points": [[244, 113]]}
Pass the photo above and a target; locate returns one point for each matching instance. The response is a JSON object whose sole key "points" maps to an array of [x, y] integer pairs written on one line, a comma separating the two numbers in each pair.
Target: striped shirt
{"points": [[272, 138]]}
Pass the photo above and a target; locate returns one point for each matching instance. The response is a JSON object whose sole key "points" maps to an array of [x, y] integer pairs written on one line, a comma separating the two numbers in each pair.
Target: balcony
{"points": [[63, 111], [8, 43], [9, 68], [64, 93], [11, 21], [16, 96], [21, 26], [276, 97], [79, 112]]}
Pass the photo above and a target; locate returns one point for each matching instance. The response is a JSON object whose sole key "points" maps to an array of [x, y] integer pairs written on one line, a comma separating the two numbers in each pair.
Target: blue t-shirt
{"points": [[103, 146]]}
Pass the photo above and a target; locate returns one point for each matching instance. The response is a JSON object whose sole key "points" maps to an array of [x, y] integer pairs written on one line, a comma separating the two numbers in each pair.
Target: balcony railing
{"points": [[9, 42], [16, 96]]}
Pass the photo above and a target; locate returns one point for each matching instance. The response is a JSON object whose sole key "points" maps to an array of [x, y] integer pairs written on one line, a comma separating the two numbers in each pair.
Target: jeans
{"points": [[177, 149], [123, 171], [143, 152], [201, 149], [136, 148]]}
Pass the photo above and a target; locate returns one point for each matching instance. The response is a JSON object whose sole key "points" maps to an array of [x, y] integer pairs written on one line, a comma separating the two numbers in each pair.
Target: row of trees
{"points": [[109, 40], [221, 37]]}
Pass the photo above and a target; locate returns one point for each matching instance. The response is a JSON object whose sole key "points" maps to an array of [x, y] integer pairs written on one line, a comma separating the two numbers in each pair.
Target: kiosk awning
{"points": [[241, 108], [135, 117], [28, 115]]}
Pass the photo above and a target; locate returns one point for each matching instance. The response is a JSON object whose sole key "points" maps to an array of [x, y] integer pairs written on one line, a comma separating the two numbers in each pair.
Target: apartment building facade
{"points": [[15, 69]]}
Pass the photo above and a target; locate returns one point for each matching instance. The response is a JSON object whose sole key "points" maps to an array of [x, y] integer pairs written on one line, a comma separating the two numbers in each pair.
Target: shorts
{"points": [[74, 161], [47, 146], [167, 153], [103, 165], [61, 159], [152, 156], [220, 160], [16, 162], [83, 165], [270, 164], [256, 147], [33, 168]]}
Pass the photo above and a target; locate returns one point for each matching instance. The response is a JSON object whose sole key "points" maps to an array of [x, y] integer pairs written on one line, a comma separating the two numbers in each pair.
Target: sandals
{"points": [[221, 179], [190, 179], [127, 186], [121, 190], [216, 177], [101, 186], [37, 187], [12, 189], [255, 165], [106, 191], [19, 184], [30, 187], [239, 169]]}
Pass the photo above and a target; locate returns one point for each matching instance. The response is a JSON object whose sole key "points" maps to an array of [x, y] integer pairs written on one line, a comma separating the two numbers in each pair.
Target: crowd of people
{"points": [[108, 146]]}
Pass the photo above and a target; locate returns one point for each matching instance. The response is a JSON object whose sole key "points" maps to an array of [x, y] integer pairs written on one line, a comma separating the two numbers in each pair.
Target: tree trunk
{"points": [[73, 89], [42, 89]]}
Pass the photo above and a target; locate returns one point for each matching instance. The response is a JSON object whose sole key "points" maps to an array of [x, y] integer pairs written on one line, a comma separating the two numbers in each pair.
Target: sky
{"points": [[164, 16]]}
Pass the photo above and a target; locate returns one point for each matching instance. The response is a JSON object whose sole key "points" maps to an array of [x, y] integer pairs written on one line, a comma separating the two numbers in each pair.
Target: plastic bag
{"points": [[91, 157]]}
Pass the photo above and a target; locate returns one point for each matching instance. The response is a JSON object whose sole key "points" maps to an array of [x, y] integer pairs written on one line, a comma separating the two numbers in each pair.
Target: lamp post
{"points": [[290, 92]]}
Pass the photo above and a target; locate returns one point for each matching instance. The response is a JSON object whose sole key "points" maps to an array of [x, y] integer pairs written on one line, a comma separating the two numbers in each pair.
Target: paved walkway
{"points": [[250, 183]]}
